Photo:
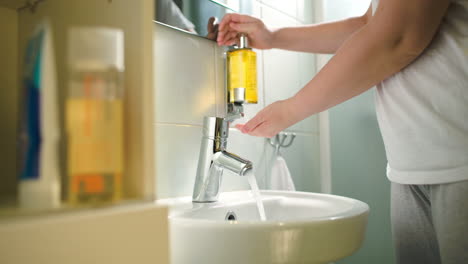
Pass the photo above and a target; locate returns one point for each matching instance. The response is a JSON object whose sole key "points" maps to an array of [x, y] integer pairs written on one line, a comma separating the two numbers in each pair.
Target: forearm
{"points": [[396, 35], [362, 61], [318, 38]]}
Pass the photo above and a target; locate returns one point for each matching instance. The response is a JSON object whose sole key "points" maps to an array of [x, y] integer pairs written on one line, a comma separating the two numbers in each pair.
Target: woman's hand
{"points": [[272, 119], [260, 37]]}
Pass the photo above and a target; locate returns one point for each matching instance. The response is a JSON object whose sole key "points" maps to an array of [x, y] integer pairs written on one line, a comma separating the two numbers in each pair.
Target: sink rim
{"points": [[183, 205]]}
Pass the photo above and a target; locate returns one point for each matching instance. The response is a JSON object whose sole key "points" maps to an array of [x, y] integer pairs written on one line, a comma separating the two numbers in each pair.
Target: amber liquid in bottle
{"points": [[95, 139], [242, 73]]}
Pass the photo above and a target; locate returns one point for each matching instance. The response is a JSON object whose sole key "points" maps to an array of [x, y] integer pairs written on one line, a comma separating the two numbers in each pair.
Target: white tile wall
{"points": [[288, 7], [305, 11], [287, 72], [221, 94], [186, 77], [189, 81], [177, 149], [303, 162], [301, 10]]}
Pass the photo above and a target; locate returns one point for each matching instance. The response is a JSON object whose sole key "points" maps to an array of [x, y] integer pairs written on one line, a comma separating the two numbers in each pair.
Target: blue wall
{"points": [[358, 170]]}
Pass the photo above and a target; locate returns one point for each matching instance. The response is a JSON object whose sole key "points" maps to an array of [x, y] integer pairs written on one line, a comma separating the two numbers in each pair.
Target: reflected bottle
{"points": [[242, 71], [94, 116]]}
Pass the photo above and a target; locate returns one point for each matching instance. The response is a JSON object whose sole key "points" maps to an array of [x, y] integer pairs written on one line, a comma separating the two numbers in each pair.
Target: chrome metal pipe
{"points": [[214, 159]]}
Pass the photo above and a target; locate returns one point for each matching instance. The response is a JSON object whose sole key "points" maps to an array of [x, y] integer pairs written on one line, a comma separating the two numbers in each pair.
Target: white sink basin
{"points": [[300, 228]]}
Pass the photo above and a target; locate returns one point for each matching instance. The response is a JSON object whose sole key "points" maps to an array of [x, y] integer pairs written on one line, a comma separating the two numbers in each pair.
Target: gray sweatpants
{"points": [[430, 223]]}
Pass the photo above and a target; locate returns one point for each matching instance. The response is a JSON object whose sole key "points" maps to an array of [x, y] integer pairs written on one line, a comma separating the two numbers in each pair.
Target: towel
{"points": [[280, 178]]}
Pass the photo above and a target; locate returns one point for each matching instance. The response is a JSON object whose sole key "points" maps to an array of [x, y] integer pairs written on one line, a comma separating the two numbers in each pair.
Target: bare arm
{"points": [[318, 38], [398, 33]]}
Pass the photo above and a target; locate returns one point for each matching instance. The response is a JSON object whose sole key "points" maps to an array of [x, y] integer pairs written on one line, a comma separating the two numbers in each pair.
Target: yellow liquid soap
{"points": [[95, 150], [242, 73]]}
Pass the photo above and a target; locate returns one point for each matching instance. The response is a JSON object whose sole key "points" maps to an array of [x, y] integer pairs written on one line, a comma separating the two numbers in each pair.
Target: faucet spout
{"points": [[214, 159], [232, 162]]}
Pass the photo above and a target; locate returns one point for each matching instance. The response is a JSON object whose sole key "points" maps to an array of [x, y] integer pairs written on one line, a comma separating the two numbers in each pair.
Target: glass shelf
{"points": [[10, 211]]}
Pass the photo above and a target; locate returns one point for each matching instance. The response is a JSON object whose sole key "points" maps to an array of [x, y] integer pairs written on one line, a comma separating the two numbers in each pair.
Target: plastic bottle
{"points": [[94, 115], [39, 183]]}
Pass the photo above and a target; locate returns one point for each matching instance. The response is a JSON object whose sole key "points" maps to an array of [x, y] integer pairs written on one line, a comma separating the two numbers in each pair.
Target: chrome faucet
{"points": [[214, 159]]}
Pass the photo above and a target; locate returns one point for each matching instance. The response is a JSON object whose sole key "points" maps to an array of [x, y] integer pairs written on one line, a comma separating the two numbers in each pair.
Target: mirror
{"points": [[198, 16]]}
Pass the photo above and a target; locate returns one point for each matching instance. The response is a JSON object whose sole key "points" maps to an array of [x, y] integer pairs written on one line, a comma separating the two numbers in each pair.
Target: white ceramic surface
{"points": [[300, 228], [184, 77]]}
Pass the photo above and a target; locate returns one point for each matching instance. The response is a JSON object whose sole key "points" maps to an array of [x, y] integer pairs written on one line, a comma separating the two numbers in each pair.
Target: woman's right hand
{"points": [[260, 37]]}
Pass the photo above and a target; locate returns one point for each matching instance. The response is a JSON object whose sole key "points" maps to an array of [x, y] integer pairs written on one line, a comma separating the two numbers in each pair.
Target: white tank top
{"points": [[423, 110]]}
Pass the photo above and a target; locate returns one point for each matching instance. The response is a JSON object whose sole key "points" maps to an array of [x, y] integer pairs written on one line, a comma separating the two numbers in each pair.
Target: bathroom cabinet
{"points": [[101, 235]]}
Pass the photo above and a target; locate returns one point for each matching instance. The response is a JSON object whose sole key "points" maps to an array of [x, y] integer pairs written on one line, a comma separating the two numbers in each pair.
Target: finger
{"points": [[231, 32], [233, 17], [244, 27], [253, 123], [232, 43], [263, 130], [225, 21], [221, 37], [226, 35], [230, 39], [242, 18], [260, 131], [239, 127]]}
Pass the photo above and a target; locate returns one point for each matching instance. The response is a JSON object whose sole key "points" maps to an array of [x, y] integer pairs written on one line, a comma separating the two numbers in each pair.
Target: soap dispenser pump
{"points": [[242, 73]]}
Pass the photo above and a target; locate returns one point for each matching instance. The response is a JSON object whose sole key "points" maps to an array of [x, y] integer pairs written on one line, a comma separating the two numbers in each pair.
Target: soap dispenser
{"points": [[242, 73]]}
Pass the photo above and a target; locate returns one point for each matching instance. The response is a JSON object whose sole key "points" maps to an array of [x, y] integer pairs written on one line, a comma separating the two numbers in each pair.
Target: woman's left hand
{"points": [[271, 120]]}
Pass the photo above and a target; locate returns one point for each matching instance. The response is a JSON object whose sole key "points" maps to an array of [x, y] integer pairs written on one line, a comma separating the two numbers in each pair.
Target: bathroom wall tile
{"points": [[177, 150], [233, 4], [255, 7], [220, 73], [288, 7], [185, 78], [303, 162], [307, 70], [286, 72], [281, 68], [305, 11]]}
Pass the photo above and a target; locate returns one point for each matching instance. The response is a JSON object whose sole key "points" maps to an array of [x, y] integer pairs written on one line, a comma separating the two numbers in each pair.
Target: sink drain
{"points": [[230, 216]]}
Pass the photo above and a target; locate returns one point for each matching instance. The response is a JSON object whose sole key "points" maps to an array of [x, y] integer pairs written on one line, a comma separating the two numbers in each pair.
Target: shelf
{"points": [[12, 4], [9, 211], [131, 233]]}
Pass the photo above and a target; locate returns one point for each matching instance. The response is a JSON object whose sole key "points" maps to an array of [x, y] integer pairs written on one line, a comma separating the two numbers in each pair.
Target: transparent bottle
{"points": [[242, 71], [94, 116]]}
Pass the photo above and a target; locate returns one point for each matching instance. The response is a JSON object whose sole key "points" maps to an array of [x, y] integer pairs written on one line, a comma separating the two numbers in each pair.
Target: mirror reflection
{"points": [[198, 17]]}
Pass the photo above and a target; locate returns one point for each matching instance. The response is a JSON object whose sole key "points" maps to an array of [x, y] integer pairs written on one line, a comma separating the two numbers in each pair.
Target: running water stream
{"points": [[256, 195]]}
